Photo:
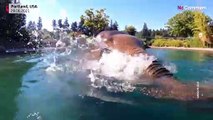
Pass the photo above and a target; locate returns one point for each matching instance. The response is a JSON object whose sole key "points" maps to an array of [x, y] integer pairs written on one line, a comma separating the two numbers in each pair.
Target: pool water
{"points": [[29, 91]]}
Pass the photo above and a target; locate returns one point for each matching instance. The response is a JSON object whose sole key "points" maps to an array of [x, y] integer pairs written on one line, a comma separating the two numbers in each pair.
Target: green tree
{"points": [[74, 27], [130, 30], [82, 28], [201, 23], [95, 21], [60, 25], [12, 27], [31, 26], [145, 31], [66, 24], [182, 24], [39, 24], [152, 35], [113, 26], [81, 25], [210, 25], [54, 24]]}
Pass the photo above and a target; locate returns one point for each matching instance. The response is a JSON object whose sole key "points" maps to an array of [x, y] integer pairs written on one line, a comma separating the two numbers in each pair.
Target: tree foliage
{"points": [[39, 24], [83, 28], [130, 30], [145, 31], [201, 23], [188, 23], [95, 21], [66, 24], [113, 25], [54, 24], [12, 27], [31, 26], [182, 24], [74, 27], [60, 25]]}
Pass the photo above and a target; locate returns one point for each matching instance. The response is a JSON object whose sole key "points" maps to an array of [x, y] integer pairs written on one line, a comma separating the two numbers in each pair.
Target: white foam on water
{"points": [[120, 65], [171, 67]]}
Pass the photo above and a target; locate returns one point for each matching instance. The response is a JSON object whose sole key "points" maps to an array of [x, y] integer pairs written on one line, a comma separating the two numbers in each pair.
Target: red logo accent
{"points": [[7, 9], [180, 8]]}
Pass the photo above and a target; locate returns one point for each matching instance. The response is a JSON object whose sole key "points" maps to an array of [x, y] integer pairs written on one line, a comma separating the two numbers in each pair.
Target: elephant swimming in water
{"points": [[164, 84]]}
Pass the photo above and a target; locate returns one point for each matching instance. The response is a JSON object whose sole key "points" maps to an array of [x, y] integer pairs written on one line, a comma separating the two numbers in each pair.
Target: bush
{"points": [[195, 43], [160, 42]]}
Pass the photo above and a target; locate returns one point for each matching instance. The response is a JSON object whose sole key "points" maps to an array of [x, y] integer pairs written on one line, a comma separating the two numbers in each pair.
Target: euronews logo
{"points": [[180, 7]]}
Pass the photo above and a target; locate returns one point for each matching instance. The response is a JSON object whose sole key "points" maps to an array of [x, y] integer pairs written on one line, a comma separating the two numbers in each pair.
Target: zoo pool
{"points": [[27, 91]]}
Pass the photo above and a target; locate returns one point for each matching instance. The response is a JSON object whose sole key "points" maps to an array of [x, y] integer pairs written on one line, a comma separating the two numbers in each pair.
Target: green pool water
{"points": [[28, 92]]}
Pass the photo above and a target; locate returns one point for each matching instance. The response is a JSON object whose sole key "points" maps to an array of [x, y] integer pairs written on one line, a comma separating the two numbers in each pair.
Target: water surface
{"points": [[29, 91]]}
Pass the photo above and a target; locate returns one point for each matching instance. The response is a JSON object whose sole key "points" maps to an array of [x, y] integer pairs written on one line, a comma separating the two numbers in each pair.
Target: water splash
{"points": [[120, 67], [115, 71], [171, 67]]}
